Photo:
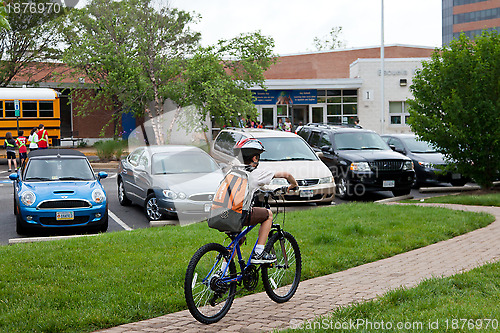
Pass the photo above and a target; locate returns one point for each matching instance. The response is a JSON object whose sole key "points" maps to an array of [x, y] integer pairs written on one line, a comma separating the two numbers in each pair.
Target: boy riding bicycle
{"points": [[249, 150]]}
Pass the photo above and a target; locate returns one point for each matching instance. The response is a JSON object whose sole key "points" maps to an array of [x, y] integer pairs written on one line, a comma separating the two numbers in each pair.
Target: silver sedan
{"points": [[169, 181]]}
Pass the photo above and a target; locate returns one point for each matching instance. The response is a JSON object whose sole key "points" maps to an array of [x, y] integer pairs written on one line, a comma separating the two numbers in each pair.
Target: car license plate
{"points": [[306, 193], [61, 216], [388, 183], [207, 207], [456, 176]]}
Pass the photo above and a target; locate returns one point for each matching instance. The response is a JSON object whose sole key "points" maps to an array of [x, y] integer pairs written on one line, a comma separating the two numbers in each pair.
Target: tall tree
{"points": [[4, 23], [217, 80], [31, 41], [456, 105], [331, 41], [126, 48]]}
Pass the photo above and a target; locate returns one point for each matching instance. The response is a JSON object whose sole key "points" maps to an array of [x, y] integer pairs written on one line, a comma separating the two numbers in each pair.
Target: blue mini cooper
{"points": [[57, 188]]}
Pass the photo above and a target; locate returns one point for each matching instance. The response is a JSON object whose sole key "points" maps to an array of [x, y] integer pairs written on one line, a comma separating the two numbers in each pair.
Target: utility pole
{"points": [[382, 74]]}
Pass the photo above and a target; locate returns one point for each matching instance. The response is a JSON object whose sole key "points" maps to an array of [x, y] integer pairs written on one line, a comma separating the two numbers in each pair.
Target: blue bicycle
{"points": [[210, 290]]}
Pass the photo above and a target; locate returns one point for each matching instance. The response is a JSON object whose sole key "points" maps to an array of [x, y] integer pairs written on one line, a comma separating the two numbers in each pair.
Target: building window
{"points": [[341, 105], [29, 109], [9, 109], [398, 113], [46, 109]]}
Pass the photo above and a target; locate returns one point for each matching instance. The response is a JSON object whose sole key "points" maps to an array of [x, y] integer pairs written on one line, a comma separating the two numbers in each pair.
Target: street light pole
{"points": [[382, 74]]}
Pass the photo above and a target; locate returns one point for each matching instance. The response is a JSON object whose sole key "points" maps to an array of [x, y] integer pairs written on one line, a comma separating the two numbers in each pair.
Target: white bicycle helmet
{"points": [[248, 147]]}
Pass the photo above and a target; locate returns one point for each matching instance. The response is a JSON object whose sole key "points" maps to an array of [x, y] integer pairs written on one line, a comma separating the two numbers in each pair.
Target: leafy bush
{"points": [[110, 149]]}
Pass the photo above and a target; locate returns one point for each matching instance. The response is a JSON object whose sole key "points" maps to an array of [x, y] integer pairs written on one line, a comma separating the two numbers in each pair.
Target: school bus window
{"points": [[29, 109], [9, 109], [46, 108], [1, 109]]}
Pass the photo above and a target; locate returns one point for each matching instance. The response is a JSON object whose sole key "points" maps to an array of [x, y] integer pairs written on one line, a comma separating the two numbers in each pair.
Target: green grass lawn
{"points": [[465, 302], [492, 199], [85, 284]]}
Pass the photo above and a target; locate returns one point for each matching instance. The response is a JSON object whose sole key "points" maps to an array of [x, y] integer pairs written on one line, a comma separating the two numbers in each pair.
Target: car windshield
{"points": [[359, 141], [53, 169], [185, 162], [416, 146], [286, 149]]}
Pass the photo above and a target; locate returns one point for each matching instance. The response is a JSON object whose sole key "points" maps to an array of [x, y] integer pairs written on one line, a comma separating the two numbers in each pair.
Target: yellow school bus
{"points": [[30, 107]]}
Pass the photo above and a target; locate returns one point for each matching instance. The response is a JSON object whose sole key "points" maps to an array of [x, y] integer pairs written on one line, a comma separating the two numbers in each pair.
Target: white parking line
{"points": [[113, 176], [119, 221]]}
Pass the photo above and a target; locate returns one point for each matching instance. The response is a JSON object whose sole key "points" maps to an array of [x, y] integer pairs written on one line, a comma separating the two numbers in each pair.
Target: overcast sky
{"points": [[293, 24]]}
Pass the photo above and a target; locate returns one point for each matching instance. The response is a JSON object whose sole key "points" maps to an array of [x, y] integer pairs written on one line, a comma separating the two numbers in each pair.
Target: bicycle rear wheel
{"points": [[207, 298], [282, 278]]}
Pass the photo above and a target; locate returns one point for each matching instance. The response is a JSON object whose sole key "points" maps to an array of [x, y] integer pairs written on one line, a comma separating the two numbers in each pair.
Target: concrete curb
{"points": [[45, 239], [394, 199], [163, 223]]}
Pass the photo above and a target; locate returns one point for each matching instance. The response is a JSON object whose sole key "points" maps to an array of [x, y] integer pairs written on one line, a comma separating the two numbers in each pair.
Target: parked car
{"points": [[285, 151], [428, 162], [57, 188], [360, 160], [169, 182]]}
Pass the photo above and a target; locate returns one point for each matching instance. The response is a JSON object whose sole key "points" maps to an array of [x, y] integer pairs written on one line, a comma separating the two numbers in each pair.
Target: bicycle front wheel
{"points": [[282, 278], [209, 299]]}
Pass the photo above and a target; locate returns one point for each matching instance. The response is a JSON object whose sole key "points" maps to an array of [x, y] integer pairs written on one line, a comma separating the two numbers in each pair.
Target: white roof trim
{"points": [[291, 84], [28, 93]]}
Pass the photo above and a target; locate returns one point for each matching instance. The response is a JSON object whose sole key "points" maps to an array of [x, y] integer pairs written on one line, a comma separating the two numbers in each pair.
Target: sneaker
{"points": [[263, 258], [10, 170]]}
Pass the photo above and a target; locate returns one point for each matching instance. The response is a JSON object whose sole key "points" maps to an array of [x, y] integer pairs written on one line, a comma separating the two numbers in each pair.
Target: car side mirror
{"points": [[102, 174], [14, 176], [326, 149]]}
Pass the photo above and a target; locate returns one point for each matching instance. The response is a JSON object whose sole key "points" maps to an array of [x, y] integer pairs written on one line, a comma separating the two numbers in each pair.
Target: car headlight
{"points": [[98, 196], [407, 165], [279, 182], [425, 165], [28, 198], [174, 195], [360, 166], [170, 194], [326, 180]]}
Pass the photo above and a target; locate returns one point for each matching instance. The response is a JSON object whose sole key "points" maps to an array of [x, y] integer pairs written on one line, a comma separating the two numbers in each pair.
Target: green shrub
{"points": [[110, 149]]}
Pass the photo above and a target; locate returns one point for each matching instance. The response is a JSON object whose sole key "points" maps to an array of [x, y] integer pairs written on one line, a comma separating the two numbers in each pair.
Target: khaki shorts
{"points": [[258, 215]]}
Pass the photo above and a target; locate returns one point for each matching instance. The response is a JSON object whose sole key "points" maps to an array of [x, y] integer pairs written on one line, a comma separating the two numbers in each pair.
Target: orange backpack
{"points": [[231, 203]]}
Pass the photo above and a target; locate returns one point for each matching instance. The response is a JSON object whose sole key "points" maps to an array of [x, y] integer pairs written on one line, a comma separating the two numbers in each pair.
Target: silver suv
{"points": [[284, 152]]}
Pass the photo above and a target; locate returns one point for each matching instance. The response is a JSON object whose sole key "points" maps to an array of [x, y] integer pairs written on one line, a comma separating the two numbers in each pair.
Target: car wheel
{"points": [[122, 195], [343, 187], [104, 226], [458, 182], [21, 227], [151, 208], [398, 193]]}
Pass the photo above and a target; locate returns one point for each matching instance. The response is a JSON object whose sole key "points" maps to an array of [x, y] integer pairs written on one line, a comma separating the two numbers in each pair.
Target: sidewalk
{"points": [[319, 296]]}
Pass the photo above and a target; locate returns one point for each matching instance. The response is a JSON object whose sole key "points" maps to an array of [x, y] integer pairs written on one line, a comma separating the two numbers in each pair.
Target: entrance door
{"points": [[317, 114], [299, 115]]}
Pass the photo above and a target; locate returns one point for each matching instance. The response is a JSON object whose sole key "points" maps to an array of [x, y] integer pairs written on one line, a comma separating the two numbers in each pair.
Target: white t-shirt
{"points": [[33, 139], [259, 178]]}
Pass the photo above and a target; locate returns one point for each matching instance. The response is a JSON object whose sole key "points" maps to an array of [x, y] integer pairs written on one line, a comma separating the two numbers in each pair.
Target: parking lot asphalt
{"points": [[322, 295]]}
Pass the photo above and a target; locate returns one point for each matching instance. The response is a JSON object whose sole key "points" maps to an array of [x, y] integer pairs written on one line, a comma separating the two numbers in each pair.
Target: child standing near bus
{"points": [[33, 139], [43, 137], [21, 143], [10, 146]]}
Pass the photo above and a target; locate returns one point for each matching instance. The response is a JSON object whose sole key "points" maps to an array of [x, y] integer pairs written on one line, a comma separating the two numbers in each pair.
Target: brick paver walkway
{"points": [[319, 296]]}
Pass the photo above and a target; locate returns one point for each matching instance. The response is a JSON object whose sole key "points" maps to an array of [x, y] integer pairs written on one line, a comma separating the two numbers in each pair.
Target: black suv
{"points": [[360, 160]]}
